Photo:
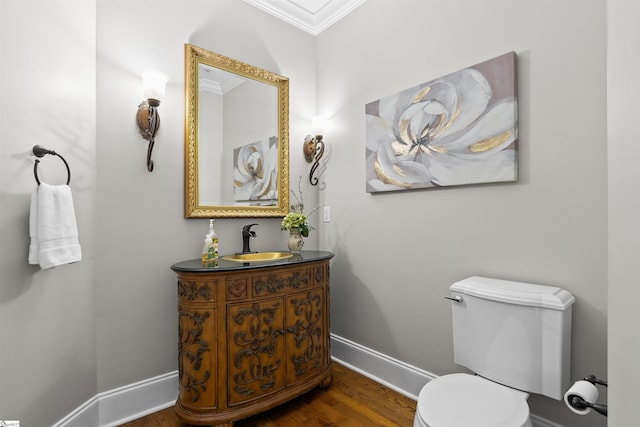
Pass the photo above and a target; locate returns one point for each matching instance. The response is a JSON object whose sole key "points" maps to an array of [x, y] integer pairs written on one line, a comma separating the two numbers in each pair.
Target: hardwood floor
{"points": [[352, 400]]}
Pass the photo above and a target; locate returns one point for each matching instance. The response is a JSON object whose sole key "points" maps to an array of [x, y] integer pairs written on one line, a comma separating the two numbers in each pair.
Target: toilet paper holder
{"points": [[577, 402]]}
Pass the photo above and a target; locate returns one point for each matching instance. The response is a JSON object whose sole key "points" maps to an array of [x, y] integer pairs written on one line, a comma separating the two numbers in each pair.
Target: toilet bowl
{"points": [[463, 400]]}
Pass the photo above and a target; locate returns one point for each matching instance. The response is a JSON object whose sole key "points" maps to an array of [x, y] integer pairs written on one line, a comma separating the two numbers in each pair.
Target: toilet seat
{"points": [[467, 400]]}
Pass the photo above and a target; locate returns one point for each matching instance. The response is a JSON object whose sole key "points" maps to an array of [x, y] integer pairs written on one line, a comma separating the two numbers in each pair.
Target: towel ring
{"points": [[40, 151]]}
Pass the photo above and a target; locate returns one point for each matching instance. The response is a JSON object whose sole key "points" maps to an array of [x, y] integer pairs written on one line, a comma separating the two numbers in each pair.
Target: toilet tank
{"points": [[516, 334]]}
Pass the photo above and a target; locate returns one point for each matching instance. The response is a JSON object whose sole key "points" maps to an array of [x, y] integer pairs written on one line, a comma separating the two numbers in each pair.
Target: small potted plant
{"points": [[296, 221]]}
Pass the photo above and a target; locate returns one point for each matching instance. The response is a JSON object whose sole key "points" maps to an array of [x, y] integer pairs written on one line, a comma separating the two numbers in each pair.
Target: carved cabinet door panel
{"points": [[197, 351], [305, 339], [255, 340]]}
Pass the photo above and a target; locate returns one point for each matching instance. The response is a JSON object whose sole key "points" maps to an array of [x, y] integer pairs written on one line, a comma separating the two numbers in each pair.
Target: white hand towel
{"points": [[33, 229], [56, 230]]}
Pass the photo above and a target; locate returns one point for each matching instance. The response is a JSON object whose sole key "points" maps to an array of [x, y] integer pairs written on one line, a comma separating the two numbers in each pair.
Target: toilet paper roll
{"points": [[586, 391]]}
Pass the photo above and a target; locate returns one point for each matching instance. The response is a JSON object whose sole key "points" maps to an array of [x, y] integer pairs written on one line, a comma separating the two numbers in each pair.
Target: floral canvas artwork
{"points": [[255, 172], [455, 130]]}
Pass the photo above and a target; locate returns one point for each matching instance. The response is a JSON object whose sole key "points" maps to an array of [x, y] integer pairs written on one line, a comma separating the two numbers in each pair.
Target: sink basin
{"points": [[258, 257]]}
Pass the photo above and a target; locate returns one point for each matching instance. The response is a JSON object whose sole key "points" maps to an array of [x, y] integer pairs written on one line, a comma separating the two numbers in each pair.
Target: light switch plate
{"points": [[326, 213]]}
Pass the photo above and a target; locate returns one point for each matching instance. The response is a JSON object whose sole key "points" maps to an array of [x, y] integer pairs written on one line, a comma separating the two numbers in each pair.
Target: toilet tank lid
{"points": [[515, 292]]}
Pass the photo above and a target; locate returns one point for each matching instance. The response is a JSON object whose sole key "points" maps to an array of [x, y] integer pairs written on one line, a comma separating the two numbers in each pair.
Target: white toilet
{"points": [[516, 338]]}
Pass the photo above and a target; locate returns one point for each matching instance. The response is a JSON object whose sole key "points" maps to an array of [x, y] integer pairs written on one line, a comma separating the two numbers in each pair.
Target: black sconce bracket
{"points": [[148, 121], [313, 152]]}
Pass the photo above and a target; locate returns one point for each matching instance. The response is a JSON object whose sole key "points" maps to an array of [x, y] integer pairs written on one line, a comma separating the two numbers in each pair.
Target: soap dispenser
{"points": [[210, 248]]}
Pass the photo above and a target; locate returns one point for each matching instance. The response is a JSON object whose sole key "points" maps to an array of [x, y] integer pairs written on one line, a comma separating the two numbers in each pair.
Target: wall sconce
{"points": [[153, 85], [314, 146]]}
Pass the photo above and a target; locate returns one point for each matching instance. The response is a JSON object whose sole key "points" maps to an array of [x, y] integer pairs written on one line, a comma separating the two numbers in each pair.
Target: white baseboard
{"points": [[399, 376], [123, 404], [118, 406], [84, 415], [137, 400], [543, 422]]}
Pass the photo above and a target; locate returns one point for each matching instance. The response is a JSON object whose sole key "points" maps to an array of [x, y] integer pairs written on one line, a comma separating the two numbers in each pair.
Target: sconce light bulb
{"points": [[154, 85], [318, 125]]}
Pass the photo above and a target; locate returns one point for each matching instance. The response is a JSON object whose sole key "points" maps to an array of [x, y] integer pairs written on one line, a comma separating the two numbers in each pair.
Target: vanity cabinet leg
{"points": [[326, 383]]}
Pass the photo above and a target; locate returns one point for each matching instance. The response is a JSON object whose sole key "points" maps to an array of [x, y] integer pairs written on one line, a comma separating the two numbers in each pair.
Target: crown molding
{"points": [[312, 16]]}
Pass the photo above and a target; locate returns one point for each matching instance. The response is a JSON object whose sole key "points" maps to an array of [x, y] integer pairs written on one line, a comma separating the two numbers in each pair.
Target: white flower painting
{"points": [[456, 130], [255, 172]]}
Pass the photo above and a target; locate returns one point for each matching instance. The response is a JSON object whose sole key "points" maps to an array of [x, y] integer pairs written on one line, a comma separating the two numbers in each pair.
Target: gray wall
{"points": [[623, 113], [47, 317], [109, 320], [396, 254]]}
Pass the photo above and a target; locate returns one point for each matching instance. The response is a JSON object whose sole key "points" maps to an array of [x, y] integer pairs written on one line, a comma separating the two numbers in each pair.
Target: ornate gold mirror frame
{"points": [[195, 59]]}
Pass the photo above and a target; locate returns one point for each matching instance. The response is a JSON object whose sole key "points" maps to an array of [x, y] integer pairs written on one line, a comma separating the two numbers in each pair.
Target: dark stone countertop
{"points": [[195, 265]]}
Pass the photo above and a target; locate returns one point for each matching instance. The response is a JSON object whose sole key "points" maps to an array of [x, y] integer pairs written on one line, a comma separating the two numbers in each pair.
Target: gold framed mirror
{"points": [[236, 138]]}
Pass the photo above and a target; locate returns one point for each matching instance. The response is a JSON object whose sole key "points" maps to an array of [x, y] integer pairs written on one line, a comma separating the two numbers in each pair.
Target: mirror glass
{"points": [[236, 138]]}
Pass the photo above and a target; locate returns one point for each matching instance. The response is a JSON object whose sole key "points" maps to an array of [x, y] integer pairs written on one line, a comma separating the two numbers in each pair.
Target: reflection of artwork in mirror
{"points": [[225, 122], [255, 173], [236, 138], [456, 130]]}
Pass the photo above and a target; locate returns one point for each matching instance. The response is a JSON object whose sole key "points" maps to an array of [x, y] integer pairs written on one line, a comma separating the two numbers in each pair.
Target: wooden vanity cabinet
{"points": [[251, 338]]}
